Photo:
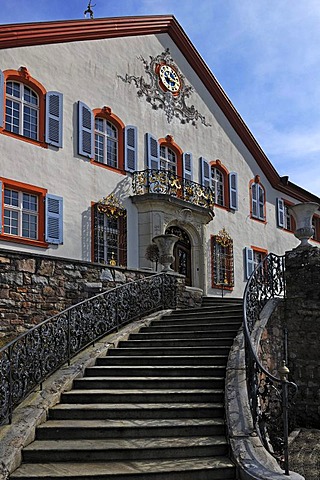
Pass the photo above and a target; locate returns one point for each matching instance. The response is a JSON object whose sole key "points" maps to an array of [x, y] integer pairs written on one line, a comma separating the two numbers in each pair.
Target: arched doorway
{"points": [[182, 253]]}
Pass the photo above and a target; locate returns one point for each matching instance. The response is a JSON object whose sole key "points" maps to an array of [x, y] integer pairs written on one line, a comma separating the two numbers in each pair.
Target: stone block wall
{"points": [[35, 287], [303, 322]]}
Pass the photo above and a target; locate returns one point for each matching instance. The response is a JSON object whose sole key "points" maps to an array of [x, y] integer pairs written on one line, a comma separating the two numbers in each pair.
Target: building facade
{"points": [[113, 131]]}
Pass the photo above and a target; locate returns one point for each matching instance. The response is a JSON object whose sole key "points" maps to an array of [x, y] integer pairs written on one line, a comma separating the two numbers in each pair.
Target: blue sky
{"points": [[264, 53]]}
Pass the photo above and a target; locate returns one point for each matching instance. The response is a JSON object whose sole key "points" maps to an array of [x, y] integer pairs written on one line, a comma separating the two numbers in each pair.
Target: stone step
{"points": [[193, 335], [97, 450], [177, 343], [206, 328], [137, 411], [214, 315], [203, 321], [156, 371], [188, 383], [94, 429], [162, 360], [219, 468], [168, 351], [142, 396]]}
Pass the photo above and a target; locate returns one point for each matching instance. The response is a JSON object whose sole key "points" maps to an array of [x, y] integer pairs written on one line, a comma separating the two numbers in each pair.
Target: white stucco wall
{"points": [[87, 71]]}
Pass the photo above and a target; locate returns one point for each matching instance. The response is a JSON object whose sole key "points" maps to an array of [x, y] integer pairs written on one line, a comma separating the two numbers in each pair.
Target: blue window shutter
{"points": [[249, 261], [205, 172], [1, 99], [187, 165], [130, 148], [233, 190], [1, 199], [86, 130], [153, 152], [54, 118], [280, 212], [54, 219]]}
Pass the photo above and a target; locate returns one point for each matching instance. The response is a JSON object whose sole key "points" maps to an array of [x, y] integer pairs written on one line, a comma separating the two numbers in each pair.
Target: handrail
{"points": [[168, 183], [268, 394], [33, 356]]}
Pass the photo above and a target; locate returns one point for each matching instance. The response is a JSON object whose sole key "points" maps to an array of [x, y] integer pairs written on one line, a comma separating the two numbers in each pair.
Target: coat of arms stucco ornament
{"points": [[166, 89]]}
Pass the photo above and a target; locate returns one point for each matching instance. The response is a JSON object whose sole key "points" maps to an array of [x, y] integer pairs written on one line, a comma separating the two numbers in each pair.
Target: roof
{"points": [[41, 33]]}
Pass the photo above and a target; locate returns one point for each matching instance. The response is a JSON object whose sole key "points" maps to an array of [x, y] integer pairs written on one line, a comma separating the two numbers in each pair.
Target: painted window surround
{"points": [[33, 190]]}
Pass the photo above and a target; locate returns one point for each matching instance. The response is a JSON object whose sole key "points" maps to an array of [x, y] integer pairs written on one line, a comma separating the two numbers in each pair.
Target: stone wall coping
{"points": [[33, 411], [251, 458]]}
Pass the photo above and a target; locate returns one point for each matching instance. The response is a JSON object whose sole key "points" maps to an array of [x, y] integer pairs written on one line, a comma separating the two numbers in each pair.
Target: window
{"points": [[284, 219], [20, 214], [30, 112], [253, 257], [257, 191], [168, 159], [22, 110], [223, 184], [109, 233], [105, 140], [29, 215], [165, 154], [218, 185], [222, 260]]}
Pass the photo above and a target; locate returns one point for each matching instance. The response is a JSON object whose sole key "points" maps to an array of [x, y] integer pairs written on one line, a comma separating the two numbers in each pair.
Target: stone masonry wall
{"points": [[303, 321], [35, 287]]}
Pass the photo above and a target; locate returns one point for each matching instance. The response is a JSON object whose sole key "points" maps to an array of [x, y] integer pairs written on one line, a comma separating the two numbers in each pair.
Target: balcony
{"points": [[167, 183]]}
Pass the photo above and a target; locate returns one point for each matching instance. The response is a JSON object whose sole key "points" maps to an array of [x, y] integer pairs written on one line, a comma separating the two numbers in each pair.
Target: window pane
{"points": [[11, 197], [13, 89], [99, 147], [11, 222], [29, 226], [30, 202], [30, 96], [12, 116]]}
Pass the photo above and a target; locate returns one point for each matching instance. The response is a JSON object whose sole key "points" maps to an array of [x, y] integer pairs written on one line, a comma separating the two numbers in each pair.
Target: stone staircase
{"points": [[151, 409]]}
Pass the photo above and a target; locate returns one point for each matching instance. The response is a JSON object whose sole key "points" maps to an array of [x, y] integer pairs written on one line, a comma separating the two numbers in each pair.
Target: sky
{"points": [[264, 53]]}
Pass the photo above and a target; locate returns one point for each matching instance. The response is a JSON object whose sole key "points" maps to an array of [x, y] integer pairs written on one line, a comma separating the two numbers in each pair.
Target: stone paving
{"points": [[304, 453]]}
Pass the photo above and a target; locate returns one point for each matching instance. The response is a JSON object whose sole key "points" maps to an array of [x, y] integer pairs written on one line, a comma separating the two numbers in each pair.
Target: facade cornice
{"points": [[29, 34]]}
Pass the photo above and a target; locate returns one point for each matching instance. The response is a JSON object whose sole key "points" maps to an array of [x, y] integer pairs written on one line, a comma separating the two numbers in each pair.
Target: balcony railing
{"points": [[168, 183]]}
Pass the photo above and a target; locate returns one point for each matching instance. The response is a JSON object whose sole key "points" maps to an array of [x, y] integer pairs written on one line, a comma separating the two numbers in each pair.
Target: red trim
{"points": [[259, 250], [107, 114], [26, 34], [41, 193], [23, 76], [169, 142]]}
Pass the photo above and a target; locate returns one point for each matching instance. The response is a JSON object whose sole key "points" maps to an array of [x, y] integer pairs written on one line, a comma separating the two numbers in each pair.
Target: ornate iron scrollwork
{"points": [[167, 183], [173, 104], [267, 393], [32, 357]]}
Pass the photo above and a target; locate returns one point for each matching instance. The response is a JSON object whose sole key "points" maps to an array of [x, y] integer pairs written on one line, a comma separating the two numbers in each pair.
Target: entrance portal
{"points": [[182, 253]]}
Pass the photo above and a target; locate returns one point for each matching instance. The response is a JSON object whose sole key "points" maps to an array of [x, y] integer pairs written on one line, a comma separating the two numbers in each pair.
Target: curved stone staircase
{"points": [[152, 409]]}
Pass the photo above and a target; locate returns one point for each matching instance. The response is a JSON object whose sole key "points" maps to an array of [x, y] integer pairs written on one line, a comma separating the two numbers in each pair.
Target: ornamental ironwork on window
{"points": [[222, 260], [110, 232]]}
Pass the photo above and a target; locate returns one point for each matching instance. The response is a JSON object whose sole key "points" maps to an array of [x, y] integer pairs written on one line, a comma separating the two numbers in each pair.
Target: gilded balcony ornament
{"points": [[111, 206]]}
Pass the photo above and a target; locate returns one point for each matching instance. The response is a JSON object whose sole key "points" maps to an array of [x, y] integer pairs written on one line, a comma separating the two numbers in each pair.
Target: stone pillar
{"points": [[303, 323]]}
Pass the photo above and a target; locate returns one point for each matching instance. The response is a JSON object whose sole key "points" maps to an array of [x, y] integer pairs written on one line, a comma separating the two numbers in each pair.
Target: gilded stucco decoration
{"points": [[166, 89], [111, 206]]}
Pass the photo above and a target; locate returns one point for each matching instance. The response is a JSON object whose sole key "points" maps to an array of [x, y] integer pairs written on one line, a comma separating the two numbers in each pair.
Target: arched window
{"points": [[105, 140], [29, 112], [168, 159], [106, 143], [258, 199], [224, 185]]}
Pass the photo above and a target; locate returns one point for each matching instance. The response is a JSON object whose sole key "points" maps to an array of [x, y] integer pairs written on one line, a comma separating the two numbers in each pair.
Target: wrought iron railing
{"points": [[268, 394], [168, 183], [32, 357]]}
